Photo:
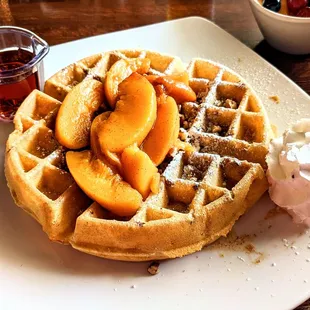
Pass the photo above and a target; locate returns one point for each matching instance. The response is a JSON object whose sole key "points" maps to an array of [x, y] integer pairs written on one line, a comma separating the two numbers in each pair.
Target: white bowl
{"points": [[288, 34]]}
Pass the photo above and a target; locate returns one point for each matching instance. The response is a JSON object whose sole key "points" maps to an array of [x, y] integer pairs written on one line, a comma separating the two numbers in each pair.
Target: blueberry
{"points": [[273, 5]]}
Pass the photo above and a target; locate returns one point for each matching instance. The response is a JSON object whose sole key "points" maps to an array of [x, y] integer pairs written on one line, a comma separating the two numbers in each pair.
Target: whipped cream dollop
{"points": [[289, 171]]}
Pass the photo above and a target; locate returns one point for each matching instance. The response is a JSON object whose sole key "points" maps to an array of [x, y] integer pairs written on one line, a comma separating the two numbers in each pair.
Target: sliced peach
{"points": [[151, 78], [94, 140], [160, 91], [133, 118], [164, 133], [99, 181], [155, 183], [119, 72], [76, 113], [178, 90], [138, 169], [111, 158], [175, 86], [180, 77]]}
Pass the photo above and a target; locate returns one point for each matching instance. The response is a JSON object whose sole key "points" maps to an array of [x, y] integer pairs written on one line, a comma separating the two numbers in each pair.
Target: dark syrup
{"points": [[14, 93]]}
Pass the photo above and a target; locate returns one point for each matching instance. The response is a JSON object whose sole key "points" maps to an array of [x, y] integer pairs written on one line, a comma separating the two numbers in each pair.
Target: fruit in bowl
{"points": [[283, 24], [299, 8]]}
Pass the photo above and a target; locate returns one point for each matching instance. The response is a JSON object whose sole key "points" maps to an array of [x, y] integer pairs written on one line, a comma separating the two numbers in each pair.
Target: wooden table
{"points": [[61, 21]]}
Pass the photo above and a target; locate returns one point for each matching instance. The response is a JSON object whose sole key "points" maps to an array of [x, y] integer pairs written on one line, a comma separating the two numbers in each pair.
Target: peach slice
{"points": [[176, 86], [119, 72], [180, 77], [178, 90], [112, 158], [133, 118], [76, 113], [99, 181], [94, 142], [164, 133], [155, 183], [138, 170]]}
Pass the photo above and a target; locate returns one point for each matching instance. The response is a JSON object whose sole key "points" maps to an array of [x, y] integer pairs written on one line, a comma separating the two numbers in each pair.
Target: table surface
{"points": [[59, 21]]}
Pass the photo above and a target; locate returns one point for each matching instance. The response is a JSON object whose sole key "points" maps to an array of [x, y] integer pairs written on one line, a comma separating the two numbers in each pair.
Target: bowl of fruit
{"points": [[284, 24]]}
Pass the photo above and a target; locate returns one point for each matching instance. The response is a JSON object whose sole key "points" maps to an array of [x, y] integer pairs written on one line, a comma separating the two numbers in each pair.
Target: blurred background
{"points": [[59, 21]]}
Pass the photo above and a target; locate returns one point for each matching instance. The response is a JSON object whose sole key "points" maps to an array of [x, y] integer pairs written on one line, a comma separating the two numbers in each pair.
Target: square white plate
{"points": [[38, 274]]}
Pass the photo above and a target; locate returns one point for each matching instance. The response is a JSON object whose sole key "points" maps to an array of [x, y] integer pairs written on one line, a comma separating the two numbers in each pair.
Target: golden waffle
{"points": [[34, 169], [202, 193], [97, 66], [231, 119]]}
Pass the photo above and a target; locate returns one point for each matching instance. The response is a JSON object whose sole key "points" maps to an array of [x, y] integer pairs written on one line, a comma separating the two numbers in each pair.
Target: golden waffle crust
{"points": [[202, 193]]}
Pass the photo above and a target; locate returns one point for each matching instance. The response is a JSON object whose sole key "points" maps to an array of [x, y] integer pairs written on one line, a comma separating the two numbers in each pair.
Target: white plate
{"points": [[38, 274]]}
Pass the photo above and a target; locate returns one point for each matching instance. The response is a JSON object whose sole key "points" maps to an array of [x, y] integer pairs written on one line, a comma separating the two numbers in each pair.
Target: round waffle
{"points": [[202, 192]]}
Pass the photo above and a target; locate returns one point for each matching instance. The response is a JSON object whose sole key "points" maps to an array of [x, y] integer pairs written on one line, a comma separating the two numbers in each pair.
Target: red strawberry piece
{"points": [[295, 5], [304, 12]]}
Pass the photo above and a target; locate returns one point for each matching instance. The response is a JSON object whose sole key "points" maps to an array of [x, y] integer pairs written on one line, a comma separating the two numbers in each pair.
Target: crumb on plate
{"points": [[153, 268], [275, 99]]}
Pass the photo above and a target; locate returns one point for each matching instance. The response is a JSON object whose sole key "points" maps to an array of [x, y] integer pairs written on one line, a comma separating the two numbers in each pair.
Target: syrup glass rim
{"points": [[37, 58]]}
